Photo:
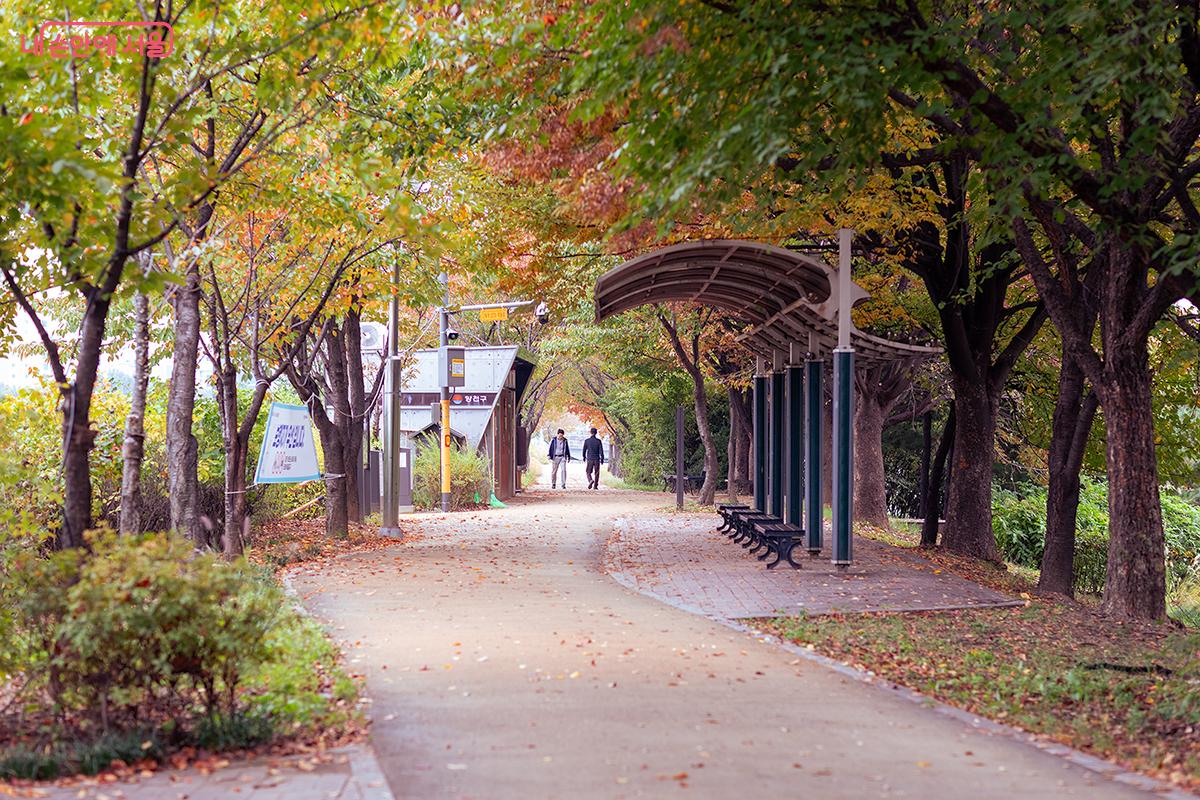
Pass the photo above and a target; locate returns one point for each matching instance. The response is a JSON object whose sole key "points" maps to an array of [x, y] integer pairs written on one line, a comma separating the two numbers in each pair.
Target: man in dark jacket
{"points": [[560, 454], [593, 457]]}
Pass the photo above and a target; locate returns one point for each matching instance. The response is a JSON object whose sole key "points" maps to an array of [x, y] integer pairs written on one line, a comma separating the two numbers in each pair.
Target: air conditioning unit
{"points": [[373, 337]]}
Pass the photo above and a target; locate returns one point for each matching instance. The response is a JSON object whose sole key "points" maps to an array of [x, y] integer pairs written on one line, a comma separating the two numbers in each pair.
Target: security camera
{"points": [[543, 313], [451, 334]]}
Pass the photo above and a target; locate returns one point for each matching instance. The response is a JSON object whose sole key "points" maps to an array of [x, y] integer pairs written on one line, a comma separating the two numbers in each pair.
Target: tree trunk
{"points": [[1073, 415], [233, 539], [969, 499], [133, 448], [1135, 583], [731, 446], [353, 428], [743, 435], [708, 490], [336, 506], [78, 436], [181, 403], [933, 496], [870, 489], [926, 453], [236, 438]]}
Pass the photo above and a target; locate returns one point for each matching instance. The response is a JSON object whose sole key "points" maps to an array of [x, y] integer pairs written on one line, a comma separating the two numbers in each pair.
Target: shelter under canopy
{"points": [[796, 309]]}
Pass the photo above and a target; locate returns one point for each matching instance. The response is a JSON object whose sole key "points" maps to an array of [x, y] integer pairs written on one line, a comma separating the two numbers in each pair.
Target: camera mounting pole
{"points": [[451, 361]]}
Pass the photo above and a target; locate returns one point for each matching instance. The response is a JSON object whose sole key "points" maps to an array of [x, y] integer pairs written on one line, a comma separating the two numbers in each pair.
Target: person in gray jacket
{"points": [[593, 457], [560, 454]]}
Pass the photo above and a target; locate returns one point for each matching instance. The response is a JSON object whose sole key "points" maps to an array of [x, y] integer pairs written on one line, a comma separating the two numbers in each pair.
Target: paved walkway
{"points": [[503, 663], [681, 559], [350, 773]]}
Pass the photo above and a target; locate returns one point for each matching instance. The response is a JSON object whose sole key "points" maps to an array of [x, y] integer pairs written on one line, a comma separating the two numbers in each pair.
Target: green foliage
{"points": [[1019, 523], [31, 445], [292, 687], [235, 731], [470, 478], [139, 618], [1183, 602], [648, 449], [31, 765], [127, 746], [140, 645]]}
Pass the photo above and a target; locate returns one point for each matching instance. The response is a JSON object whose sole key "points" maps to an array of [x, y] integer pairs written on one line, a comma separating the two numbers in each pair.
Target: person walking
{"points": [[560, 454], [593, 457]]}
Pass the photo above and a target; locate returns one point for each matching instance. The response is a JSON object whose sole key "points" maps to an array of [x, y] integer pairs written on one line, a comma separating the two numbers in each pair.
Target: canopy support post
{"points": [[814, 508], [760, 437], [795, 437], [843, 414], [777, 435]]}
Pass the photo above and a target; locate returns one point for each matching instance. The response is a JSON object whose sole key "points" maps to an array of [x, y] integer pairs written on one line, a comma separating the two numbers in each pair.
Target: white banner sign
{"points": [[289, 454]]}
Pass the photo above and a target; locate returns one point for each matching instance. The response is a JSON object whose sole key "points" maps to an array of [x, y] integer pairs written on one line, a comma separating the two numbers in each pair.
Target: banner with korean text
{"points": [[289, 454]]}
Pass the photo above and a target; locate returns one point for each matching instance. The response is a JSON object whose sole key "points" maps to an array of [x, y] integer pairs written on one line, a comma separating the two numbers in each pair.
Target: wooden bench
{"points": [[691, 483], [724, 510], [762, 534], [780, 540]]}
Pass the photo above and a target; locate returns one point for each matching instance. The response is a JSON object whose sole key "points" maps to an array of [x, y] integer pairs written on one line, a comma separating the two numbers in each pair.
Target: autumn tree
{"points": [[105, 163]]}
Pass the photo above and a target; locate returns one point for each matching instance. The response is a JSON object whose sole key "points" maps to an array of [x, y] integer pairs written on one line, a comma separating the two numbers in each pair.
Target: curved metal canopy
{"points": [[783, 296]]}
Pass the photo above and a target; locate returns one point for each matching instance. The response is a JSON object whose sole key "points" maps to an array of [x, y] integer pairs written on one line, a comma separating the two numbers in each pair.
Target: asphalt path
{"points": [[503, 663]]}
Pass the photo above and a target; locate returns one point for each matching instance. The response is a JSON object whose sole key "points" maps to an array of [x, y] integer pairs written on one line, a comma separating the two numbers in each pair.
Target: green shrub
{"points": [[140, 618], [470, 478], [1181, 526], [290, 687], [1019, 523]]}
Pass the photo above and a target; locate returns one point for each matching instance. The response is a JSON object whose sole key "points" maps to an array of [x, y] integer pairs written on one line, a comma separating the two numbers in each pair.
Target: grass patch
{"points": [[302, 688], [1125, 692], [608, 479], [26, 764], [1183, 603], [238, 731]]}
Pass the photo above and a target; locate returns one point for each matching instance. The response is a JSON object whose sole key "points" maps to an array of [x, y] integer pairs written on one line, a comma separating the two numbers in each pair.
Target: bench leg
{"points": [[788, 554], [778, 557]]}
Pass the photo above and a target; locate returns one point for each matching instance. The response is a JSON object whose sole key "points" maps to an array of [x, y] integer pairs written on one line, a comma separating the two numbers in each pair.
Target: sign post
{"points": [[452, 365]]}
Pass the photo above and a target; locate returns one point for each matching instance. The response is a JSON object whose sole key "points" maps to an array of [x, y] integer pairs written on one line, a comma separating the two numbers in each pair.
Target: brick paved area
{"points": [[682, 560]]}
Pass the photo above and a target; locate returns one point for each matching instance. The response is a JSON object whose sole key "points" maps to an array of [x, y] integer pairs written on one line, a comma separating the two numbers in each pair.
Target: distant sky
{"points": [[18, 372]]}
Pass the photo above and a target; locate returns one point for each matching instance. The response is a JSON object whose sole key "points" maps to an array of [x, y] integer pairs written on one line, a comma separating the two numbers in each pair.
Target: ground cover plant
{"points": [[137, 649]]}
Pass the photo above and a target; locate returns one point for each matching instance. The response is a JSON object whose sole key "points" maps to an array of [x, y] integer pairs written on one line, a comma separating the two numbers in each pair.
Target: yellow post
{"points": [[445, 454]]}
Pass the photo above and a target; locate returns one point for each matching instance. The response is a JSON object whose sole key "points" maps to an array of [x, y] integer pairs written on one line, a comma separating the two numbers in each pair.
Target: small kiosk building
{"points": [[483, 413]]}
